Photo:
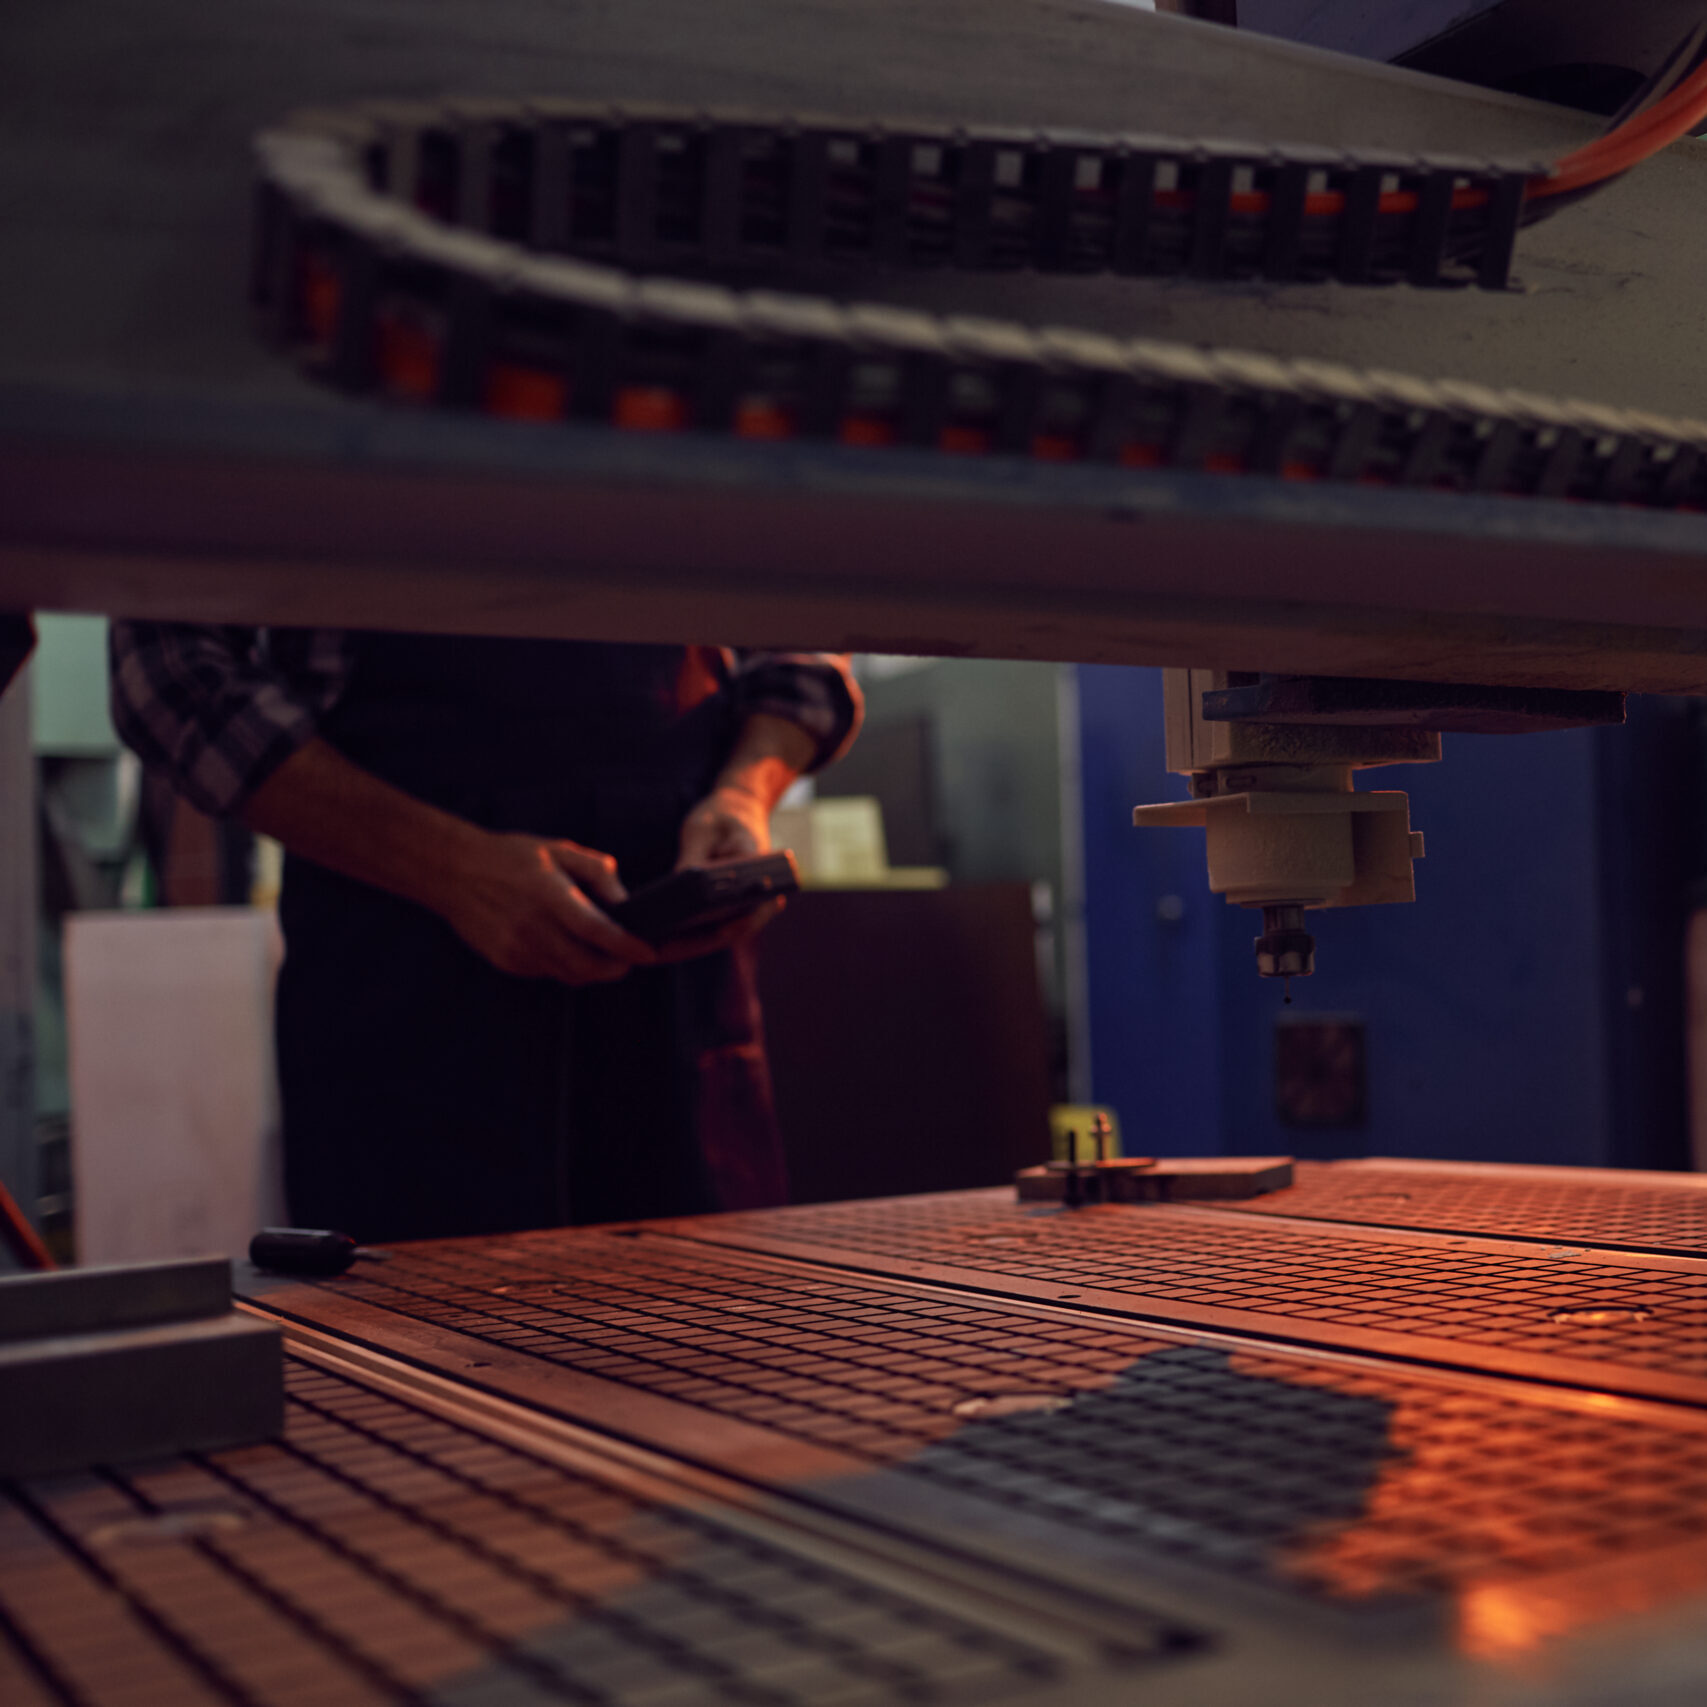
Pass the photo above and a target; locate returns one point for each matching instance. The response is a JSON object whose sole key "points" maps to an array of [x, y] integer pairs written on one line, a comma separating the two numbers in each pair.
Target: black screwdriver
{"points": [[306, 1250]]}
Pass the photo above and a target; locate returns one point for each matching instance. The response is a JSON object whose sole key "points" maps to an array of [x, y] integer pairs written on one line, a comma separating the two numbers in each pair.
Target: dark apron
{"points": [[425, 1093]]}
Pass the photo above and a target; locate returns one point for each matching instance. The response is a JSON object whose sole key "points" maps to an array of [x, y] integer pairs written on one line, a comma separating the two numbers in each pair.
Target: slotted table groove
{"points": [[1632, 1322], [1351, 1485], [380, 1552], [1646, 1213]]}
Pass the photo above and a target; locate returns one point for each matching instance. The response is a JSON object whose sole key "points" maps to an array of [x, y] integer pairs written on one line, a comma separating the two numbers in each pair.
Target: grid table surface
{"points": [[1342, 1483], [381, 1553], [1564, 1305], [1602, 1212]]}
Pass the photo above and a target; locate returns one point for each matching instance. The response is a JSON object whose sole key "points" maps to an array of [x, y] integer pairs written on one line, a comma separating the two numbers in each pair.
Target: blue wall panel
{"points": [[1494, 1027], [1481, 1000], [1154, 983]]}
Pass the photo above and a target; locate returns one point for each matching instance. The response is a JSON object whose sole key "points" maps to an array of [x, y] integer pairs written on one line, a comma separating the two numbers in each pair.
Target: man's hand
{"points": [[523, 904], [519, 901], [725, 936], [734, 819], [732, 822]]}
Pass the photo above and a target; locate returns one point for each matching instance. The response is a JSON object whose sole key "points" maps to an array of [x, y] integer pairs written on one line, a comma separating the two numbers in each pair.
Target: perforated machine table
{"points": [[1405, 1432]]}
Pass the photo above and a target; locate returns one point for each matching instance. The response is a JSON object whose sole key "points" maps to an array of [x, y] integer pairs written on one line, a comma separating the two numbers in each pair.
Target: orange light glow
{"points": [[408, 358], [525, 393], [866, 430], [1508, 1622], [1054, 447], [1323, 204], [1140, 456], [322, 295], [963, 441], [649, 409], [1447, 1514], [759, 418], [1504, 1621]]}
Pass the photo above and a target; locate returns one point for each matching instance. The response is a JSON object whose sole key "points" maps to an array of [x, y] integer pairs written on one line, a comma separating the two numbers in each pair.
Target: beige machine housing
{"points": [[1284, 824]]}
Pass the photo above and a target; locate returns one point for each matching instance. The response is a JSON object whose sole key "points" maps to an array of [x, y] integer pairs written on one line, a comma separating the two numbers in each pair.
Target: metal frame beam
{"points": [[155, 460], [365, 517]]}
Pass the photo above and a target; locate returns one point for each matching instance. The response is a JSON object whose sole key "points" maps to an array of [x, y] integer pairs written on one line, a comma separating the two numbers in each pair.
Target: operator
{"points": [[466, 1043]]}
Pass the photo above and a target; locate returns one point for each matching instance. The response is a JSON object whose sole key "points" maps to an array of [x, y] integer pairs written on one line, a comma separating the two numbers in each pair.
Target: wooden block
{"points": [[1167, 1180]]}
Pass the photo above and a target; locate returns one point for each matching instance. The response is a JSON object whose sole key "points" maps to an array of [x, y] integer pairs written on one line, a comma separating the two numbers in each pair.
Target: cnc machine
{"points": [[1361, 398]]}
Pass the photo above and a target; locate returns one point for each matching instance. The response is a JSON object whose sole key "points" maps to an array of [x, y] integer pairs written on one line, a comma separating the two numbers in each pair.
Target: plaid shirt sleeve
{"points": [[815, 690], [218, 710]]}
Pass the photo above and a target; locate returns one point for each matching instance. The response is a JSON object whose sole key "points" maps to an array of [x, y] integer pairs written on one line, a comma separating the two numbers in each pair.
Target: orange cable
{"points": [[1631, 143], [17, 1232], [1638, 139]]}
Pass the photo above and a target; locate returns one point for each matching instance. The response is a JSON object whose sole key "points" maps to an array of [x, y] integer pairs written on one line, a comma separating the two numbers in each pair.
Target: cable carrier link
{"points": [[500, 257]]}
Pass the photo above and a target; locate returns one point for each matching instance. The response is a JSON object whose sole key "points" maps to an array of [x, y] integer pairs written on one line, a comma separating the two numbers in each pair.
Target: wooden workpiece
{"points": [[1147, 1179]]}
